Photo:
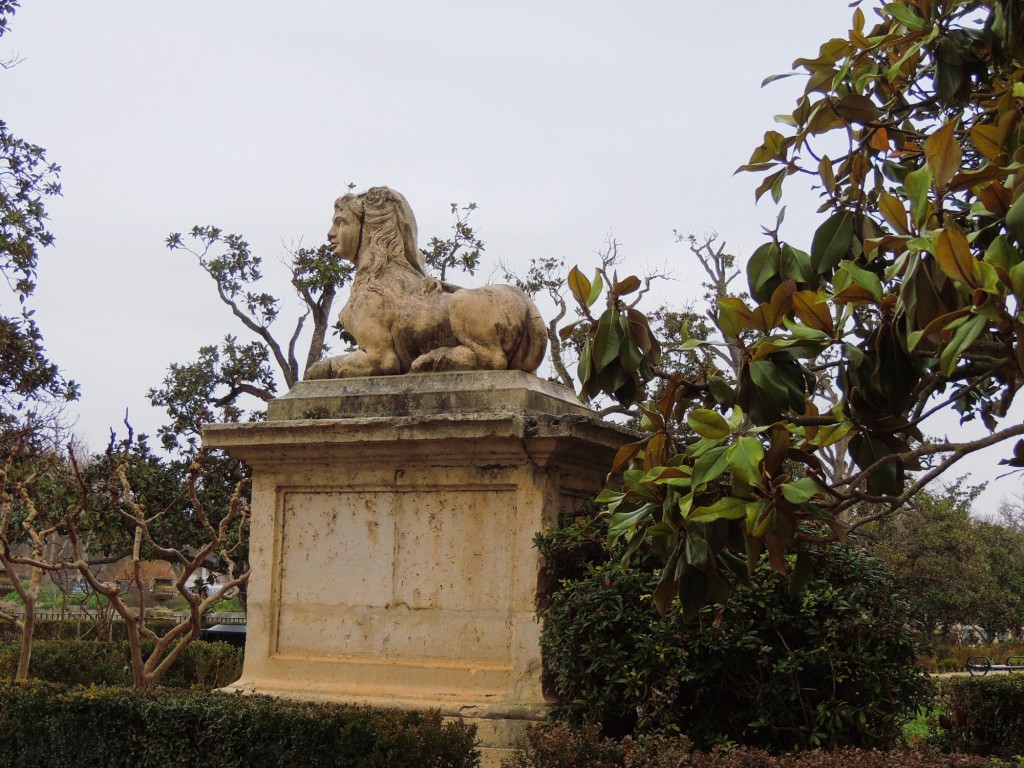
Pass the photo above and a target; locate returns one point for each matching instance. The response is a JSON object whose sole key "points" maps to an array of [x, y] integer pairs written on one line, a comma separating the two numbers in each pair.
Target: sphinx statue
{"points": [[405, 321]]}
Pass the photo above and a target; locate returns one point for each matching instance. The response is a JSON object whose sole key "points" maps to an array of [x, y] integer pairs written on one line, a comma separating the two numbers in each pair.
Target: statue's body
{"points": [[406, 321]]}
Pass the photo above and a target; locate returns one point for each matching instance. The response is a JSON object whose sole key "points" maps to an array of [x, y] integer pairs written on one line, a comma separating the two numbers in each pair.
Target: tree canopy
{"points": [[27, 179], [908, 299]]}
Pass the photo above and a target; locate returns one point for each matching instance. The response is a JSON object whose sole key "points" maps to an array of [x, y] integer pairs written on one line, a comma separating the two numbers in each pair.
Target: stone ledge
{"points": [[425, 394], [449, 706], [467, 439]]}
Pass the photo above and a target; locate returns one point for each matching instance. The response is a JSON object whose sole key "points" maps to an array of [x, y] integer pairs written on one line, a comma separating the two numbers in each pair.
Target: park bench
{"points": [[982, 665]]}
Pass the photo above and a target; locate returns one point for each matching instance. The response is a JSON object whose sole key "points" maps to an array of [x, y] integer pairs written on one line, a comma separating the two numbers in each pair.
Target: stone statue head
{"points": [[375, 229]]}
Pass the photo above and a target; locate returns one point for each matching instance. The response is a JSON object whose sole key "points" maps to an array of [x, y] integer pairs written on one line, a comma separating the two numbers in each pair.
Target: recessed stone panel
{"points": [[337, 548], [410, 573]]}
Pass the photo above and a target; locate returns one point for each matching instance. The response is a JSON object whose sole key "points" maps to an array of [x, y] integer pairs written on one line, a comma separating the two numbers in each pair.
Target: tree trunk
{"points": [[29, 624], [27, 630]]}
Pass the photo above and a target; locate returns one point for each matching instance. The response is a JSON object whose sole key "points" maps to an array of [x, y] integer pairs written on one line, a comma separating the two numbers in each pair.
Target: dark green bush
{"points": [[831, 666], [982, 715], [562, 746], [203, 665], [70, 662], [82, 662], [77, 629], [48, 726]]}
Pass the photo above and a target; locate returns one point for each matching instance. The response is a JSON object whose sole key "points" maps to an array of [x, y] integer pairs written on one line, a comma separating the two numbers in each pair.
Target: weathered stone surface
{"points": [[406, 321], [436, 394], [393, 559]]}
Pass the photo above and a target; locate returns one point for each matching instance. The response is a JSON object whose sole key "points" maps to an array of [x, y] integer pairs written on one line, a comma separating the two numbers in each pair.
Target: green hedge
{"points": [[830, 666], [48, 726], [81, 662], [982, 715], [77, 629], [563, 746]]}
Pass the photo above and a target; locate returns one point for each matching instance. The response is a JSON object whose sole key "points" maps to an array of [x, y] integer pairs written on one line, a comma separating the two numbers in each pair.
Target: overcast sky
{"points": [[563, 121]]}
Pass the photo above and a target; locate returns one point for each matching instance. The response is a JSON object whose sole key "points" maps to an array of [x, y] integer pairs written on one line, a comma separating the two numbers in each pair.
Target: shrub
{"points": [[43, 725], [81, 662], [983, 715], [562, 746], [78, 629], [203, 665], [832, 665], [69, 662]]}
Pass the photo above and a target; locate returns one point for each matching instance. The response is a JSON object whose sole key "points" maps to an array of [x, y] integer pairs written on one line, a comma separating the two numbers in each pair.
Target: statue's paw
{"points": [[445, 359], [321, 370]]}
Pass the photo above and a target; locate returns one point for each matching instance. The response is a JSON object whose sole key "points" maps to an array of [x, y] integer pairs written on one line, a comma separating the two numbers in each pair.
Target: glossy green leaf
{"points": [[709, 467], [624, 523], [888, 477], [773, 78], [721, 391], [796, 264], [867, 280], [903, 13], [768, 379], [1017, 279], [832, 433], [696, 550], [916, 185], [608, 339], [800, 491], [745, 458], [708, 423], [1015, 220], [763, 271], [962, 339], [1001, 254], [832, 242], [595, 289], [609, 497]]}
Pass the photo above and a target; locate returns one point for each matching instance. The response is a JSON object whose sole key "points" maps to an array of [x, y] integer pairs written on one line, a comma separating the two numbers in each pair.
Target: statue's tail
{"points": [[529, 353]]}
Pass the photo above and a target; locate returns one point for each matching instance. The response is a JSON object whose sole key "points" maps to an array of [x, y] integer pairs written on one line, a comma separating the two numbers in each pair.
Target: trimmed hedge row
{"points": [[43, 725], [77, 629], [81, 662], [563, 746], [982, 715]]}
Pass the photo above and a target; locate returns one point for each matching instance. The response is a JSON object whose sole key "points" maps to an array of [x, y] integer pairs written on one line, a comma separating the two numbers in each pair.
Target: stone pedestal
{"points": [[392, 538]]}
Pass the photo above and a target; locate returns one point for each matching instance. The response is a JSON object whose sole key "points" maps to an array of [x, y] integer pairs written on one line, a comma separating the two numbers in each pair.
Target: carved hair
{"points": [[388, 232]]}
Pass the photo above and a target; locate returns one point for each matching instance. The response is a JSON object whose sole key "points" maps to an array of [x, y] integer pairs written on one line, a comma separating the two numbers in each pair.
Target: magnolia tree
{"points": [[908, 303], [21, 523], [32, 388], [224, 538], [68, 516]]}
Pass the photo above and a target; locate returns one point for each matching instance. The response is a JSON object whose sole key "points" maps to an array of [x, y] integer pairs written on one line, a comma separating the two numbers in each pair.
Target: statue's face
{"points": [[344, 232]]}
